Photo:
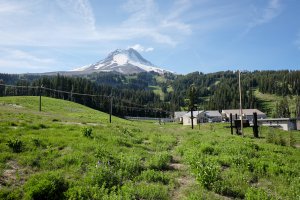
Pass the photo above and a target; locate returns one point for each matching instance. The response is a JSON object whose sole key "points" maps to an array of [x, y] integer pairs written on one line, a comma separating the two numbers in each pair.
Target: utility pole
{"points": [[241, 111], [231, 127], [192, 101], [192, 117]]}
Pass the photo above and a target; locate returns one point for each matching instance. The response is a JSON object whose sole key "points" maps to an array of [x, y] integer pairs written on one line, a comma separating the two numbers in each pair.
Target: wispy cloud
{"points": [[271, 11], [22, 60], [79, 9], [140, 48], [148, 20]]}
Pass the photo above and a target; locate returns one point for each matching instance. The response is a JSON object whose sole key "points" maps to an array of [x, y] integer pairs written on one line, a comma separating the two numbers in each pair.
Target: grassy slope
{"points": [[268, 102], [137, 160]]}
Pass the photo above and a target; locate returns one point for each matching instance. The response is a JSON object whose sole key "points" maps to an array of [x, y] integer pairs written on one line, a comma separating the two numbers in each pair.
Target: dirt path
{"points": [[184, 180]]}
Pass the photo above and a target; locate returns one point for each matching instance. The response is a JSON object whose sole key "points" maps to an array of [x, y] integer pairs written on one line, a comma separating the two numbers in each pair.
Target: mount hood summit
{"points": [[127, 61]]}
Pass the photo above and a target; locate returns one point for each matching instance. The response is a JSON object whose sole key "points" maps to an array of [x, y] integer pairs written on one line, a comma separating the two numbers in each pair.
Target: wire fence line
{"points": [[134, 107]]}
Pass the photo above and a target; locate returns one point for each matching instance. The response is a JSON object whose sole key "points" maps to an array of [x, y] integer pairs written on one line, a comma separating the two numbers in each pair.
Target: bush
{"points": [[159, 161], [49, 185], [154, 176], [280, 141], [292, 140], [130, 165], [37, 142], [207, 172], [271, 136], [87, 132], [87, 192], [15, 145], [209, 150], [256, 194], [10, 194], [106, 176]]}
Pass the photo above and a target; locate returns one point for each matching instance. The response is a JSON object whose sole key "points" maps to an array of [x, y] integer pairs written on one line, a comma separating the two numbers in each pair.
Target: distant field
{"points": [[157, 90], [69, 151], [268, 102]]}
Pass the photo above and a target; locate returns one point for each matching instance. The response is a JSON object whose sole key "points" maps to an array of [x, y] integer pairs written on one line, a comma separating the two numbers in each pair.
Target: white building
{"points": [[286, 124], [178, 116], [247, 114], [198, 117]]}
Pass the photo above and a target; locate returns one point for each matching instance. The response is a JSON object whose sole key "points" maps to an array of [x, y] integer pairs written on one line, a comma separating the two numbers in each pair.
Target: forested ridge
{"points": [[214, 91]]}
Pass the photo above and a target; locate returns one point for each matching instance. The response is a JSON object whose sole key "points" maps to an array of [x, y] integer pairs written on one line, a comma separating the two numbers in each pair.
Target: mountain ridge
{"points": [[127, 61]]}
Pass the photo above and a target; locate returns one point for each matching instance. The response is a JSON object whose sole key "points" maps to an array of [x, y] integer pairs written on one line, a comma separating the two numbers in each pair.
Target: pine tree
{"points": [[297, 110], [283, 109]]}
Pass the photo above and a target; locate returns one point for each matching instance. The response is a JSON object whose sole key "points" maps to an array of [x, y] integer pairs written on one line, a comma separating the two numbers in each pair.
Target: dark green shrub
{"points": [[42, 126], [280, 140], [49, 185], [15, 145], [87, 132], [37, 142], [13, 124], [292, 139], [208, 150]]}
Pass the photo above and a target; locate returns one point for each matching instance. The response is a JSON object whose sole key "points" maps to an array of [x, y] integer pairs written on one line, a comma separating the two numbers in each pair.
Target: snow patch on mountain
{"points": [[127, 61], [79, 69]]}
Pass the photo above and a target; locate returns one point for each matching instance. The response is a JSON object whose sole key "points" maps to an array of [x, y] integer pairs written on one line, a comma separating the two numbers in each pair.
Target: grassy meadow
{"points": [[69, 151]]}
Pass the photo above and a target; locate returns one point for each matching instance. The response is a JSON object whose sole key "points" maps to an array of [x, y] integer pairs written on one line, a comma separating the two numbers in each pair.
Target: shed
{"points": [[199, 117], [178, 116], [286, 124], [213, 116]]}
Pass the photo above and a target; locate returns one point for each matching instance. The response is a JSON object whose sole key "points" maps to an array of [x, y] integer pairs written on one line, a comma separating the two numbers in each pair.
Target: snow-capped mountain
{"points": [[127, 61]]}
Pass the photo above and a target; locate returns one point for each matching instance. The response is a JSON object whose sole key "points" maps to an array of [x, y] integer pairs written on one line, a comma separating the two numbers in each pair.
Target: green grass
{"points": [[268, 102], [69, 151], [157, 90]]}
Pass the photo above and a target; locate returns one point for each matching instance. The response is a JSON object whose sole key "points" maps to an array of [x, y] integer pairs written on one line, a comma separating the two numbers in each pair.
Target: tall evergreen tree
{"points": [[283, 109], [297, 110]]}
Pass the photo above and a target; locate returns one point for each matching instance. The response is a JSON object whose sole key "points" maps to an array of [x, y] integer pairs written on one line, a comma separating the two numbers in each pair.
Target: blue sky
{"points": [[178, 35]]}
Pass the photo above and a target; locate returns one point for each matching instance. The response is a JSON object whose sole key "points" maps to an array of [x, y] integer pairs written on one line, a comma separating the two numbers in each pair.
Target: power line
{"points": [[138, 106], [19, 86]]}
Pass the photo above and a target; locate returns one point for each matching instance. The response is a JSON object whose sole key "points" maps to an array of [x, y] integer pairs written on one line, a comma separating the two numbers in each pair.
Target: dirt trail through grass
{"points": [[184, 179]]}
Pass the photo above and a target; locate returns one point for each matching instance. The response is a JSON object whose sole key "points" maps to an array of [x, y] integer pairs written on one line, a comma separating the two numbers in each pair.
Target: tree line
{"points": [[213, 91]]}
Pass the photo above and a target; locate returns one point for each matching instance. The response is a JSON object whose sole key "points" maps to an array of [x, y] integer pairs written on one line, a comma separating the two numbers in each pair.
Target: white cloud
{"points": [[272, 10], [140, 48], [150, 21], [80, 9], [11, 59], [73, 22]]}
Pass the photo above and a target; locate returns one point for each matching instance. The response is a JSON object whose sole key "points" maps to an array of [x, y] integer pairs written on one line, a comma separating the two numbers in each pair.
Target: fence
{"points": [[111, 100], [150, 118]]}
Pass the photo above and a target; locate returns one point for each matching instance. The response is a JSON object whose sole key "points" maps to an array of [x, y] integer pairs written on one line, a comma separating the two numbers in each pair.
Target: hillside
{"points": [[69, 151], [268, 102], [150, 91]]}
